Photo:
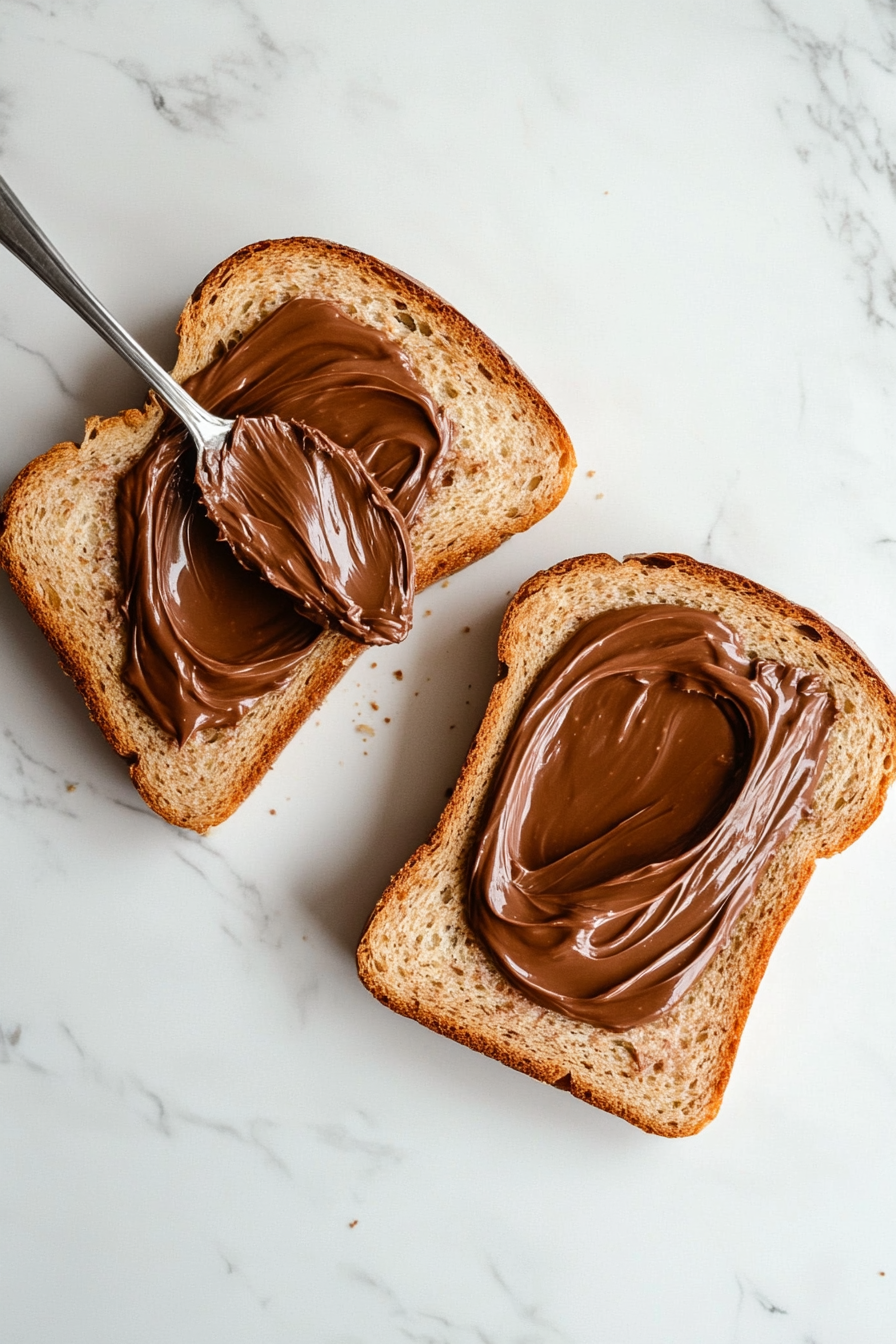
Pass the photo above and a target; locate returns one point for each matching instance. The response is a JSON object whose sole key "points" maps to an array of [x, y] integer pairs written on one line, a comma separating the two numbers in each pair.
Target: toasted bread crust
{"points": [[430, 890], [201, 785]]}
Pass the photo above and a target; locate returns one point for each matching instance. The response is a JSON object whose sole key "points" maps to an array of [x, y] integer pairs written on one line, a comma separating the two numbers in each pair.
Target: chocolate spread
{"points": [[206, 637], [652, 774], [307, 515]]}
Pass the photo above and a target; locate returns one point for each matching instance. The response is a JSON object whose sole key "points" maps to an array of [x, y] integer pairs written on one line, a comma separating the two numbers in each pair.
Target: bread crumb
{"points": [[399, 675], [353, 1223], [365, 728], [427, 612], [589, 474], [445, 583], [70, 788], [373, 705], [600, 496], [373, 664], [387, 720], [273, 811], [466, 630]]}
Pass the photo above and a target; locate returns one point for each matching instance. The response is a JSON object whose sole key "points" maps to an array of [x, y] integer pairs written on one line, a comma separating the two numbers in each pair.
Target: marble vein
{"points": [[163, 1114], [11, 1052], [240, 894], [38, 785], [430, 1327], [39, 355], [232, 1268], [748, 1293], [709, 548], [846, 142], [234, 82], [340, 1138]]}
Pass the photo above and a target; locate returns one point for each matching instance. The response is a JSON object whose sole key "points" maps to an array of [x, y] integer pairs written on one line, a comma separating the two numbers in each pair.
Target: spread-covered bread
{"points": [[668, 750], [205, 639], [652, 774], [460, 442]]}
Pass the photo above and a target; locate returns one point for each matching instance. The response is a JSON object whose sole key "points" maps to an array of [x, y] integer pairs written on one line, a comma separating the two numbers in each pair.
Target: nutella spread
{"points": [[207, 637], [307, 515], [652, 774]]}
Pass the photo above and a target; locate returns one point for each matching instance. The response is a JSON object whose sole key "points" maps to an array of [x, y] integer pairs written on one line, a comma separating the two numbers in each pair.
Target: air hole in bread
{"points": [[809, 631], [424, 328], [503, 669], [399, 304], [564, 1083], [484, 371], [534, 483], [407, 321], [888, 761], [656, 561]]}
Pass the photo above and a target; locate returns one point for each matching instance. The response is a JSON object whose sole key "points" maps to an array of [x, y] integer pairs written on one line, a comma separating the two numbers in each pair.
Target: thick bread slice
{"points": [[419, 957], [511, 464]]}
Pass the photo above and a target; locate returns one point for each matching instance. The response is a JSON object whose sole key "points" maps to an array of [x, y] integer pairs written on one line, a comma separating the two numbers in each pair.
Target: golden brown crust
{"points": [[737, 971], [257, 278]]}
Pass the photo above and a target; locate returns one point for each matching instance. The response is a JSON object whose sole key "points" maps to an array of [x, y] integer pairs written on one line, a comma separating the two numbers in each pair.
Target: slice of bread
{"points": [[511, 463], [419, 956]]}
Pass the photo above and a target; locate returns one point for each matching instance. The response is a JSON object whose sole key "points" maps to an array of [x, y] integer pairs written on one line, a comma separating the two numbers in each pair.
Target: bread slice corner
{"points": [[511, 463], [419, 956]]}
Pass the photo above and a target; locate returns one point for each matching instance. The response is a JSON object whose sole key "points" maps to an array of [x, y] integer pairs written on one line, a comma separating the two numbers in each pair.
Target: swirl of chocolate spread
{"points": [[652, 774], [207, 637], [309, 517]]}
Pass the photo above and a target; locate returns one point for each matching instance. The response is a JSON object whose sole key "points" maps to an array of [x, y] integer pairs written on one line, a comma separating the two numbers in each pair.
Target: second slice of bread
{"points": [[511, 464], [419, 956]]}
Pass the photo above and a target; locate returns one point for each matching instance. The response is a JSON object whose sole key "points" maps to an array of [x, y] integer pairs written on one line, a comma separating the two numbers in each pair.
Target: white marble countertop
{"points": [[680, 220]]}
